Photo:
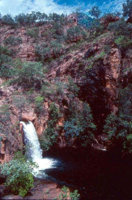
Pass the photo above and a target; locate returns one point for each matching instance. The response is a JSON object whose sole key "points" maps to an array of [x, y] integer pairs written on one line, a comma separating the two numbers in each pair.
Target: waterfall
{"points": [[34, 151]]}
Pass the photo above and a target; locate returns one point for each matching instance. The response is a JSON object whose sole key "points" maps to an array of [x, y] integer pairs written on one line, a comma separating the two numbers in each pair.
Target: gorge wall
{"points": [[96, 67]]}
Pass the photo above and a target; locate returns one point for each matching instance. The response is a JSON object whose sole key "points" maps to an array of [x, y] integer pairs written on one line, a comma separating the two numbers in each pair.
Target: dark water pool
{"points": [[97, 175]]}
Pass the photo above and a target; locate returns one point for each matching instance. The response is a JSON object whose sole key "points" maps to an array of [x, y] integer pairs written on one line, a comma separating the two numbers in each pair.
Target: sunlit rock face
{"points": [[29, 116], [2, 149]]}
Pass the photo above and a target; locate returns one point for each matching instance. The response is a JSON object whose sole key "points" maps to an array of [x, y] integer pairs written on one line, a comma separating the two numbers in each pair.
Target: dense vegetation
{"points": [[78, 103], [18, 172]]}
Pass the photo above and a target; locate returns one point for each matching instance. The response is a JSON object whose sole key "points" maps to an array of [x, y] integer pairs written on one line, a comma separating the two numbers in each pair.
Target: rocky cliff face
{"points": [[96, 66], [26, 49]]}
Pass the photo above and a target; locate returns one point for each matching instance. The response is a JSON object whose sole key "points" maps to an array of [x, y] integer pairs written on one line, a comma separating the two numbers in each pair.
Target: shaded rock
{"points": [[2, 190], [90, 52]]}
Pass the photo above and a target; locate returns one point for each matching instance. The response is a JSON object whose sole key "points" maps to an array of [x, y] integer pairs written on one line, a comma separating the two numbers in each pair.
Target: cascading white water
{"points": [[34, 151]]}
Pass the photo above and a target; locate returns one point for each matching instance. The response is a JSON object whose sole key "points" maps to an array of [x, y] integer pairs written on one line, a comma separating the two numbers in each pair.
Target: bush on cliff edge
{"points": [[18, 172]]}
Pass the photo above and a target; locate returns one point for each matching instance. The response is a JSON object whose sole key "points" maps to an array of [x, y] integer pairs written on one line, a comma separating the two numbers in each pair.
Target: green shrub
{"points": [[30, 74], [74, 195], [57, 49], [123, 42], [128, 143], [18, 172], [6, 70], [60, 87], [5, 50], [49, 137], [72, 87], [39, 104], [125, 102], [65, 194], [47, 90], [34, 32], [5, 119], [47, 52], [118, 128], [57, 30], [121, 28], [13, 41], [80, 124], [75, 34], [4, 113]]}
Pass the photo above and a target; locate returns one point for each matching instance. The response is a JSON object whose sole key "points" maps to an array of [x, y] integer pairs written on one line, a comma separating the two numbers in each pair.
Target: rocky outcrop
{"points": [[108, 19], [26, 49], [42, 190], [29, 115], [112, 74], [2, 148]]}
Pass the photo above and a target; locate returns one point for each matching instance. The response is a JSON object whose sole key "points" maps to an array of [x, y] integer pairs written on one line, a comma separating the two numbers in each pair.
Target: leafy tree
{"points": [[41, 17], [49, 137], [8, 20], [21, 19], [18, 172], [55, 17], [26, 19], [95, 12], [80, 124], [85, 21], [119, 127], [127, 9], [32, 17]]}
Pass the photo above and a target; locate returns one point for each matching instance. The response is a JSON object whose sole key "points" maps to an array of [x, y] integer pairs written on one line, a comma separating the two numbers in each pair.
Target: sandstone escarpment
{"points": [[97, 66]]}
